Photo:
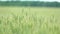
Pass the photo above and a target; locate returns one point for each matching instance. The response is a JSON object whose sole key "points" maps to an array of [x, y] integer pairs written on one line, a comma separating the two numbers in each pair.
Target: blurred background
{"points": [[38, 3]]}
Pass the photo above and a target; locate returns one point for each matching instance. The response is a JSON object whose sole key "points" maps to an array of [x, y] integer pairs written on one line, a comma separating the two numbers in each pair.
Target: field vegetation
{"points": [[29, 20]]}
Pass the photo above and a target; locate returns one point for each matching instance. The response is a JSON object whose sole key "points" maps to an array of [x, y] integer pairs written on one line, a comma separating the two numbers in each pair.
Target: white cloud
{"points": [[51, 0], [36, 0]]}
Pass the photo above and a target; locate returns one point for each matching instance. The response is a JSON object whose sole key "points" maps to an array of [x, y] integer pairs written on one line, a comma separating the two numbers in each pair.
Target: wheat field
{"points": [[29, 20]]}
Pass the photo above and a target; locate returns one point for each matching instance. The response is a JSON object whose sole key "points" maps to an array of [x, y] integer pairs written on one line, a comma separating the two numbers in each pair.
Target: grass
{"points": [[29, 20]]}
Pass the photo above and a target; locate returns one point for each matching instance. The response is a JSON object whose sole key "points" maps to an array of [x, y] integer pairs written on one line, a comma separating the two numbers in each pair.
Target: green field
{"points": [[29, 20]]}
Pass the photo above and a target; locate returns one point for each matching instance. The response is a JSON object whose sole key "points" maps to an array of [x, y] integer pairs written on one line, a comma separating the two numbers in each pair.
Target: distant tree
{"points": [[12, 0], [17, 0]]}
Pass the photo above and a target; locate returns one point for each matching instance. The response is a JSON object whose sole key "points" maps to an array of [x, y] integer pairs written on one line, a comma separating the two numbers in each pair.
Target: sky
{"points": [[37, 0]]}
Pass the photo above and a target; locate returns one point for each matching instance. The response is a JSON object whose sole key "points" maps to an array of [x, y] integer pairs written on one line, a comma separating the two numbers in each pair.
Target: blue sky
{"points": [[37, 0]]}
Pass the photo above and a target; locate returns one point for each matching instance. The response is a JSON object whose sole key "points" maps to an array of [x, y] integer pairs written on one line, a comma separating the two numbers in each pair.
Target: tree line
{"points": [[30, 3]]}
